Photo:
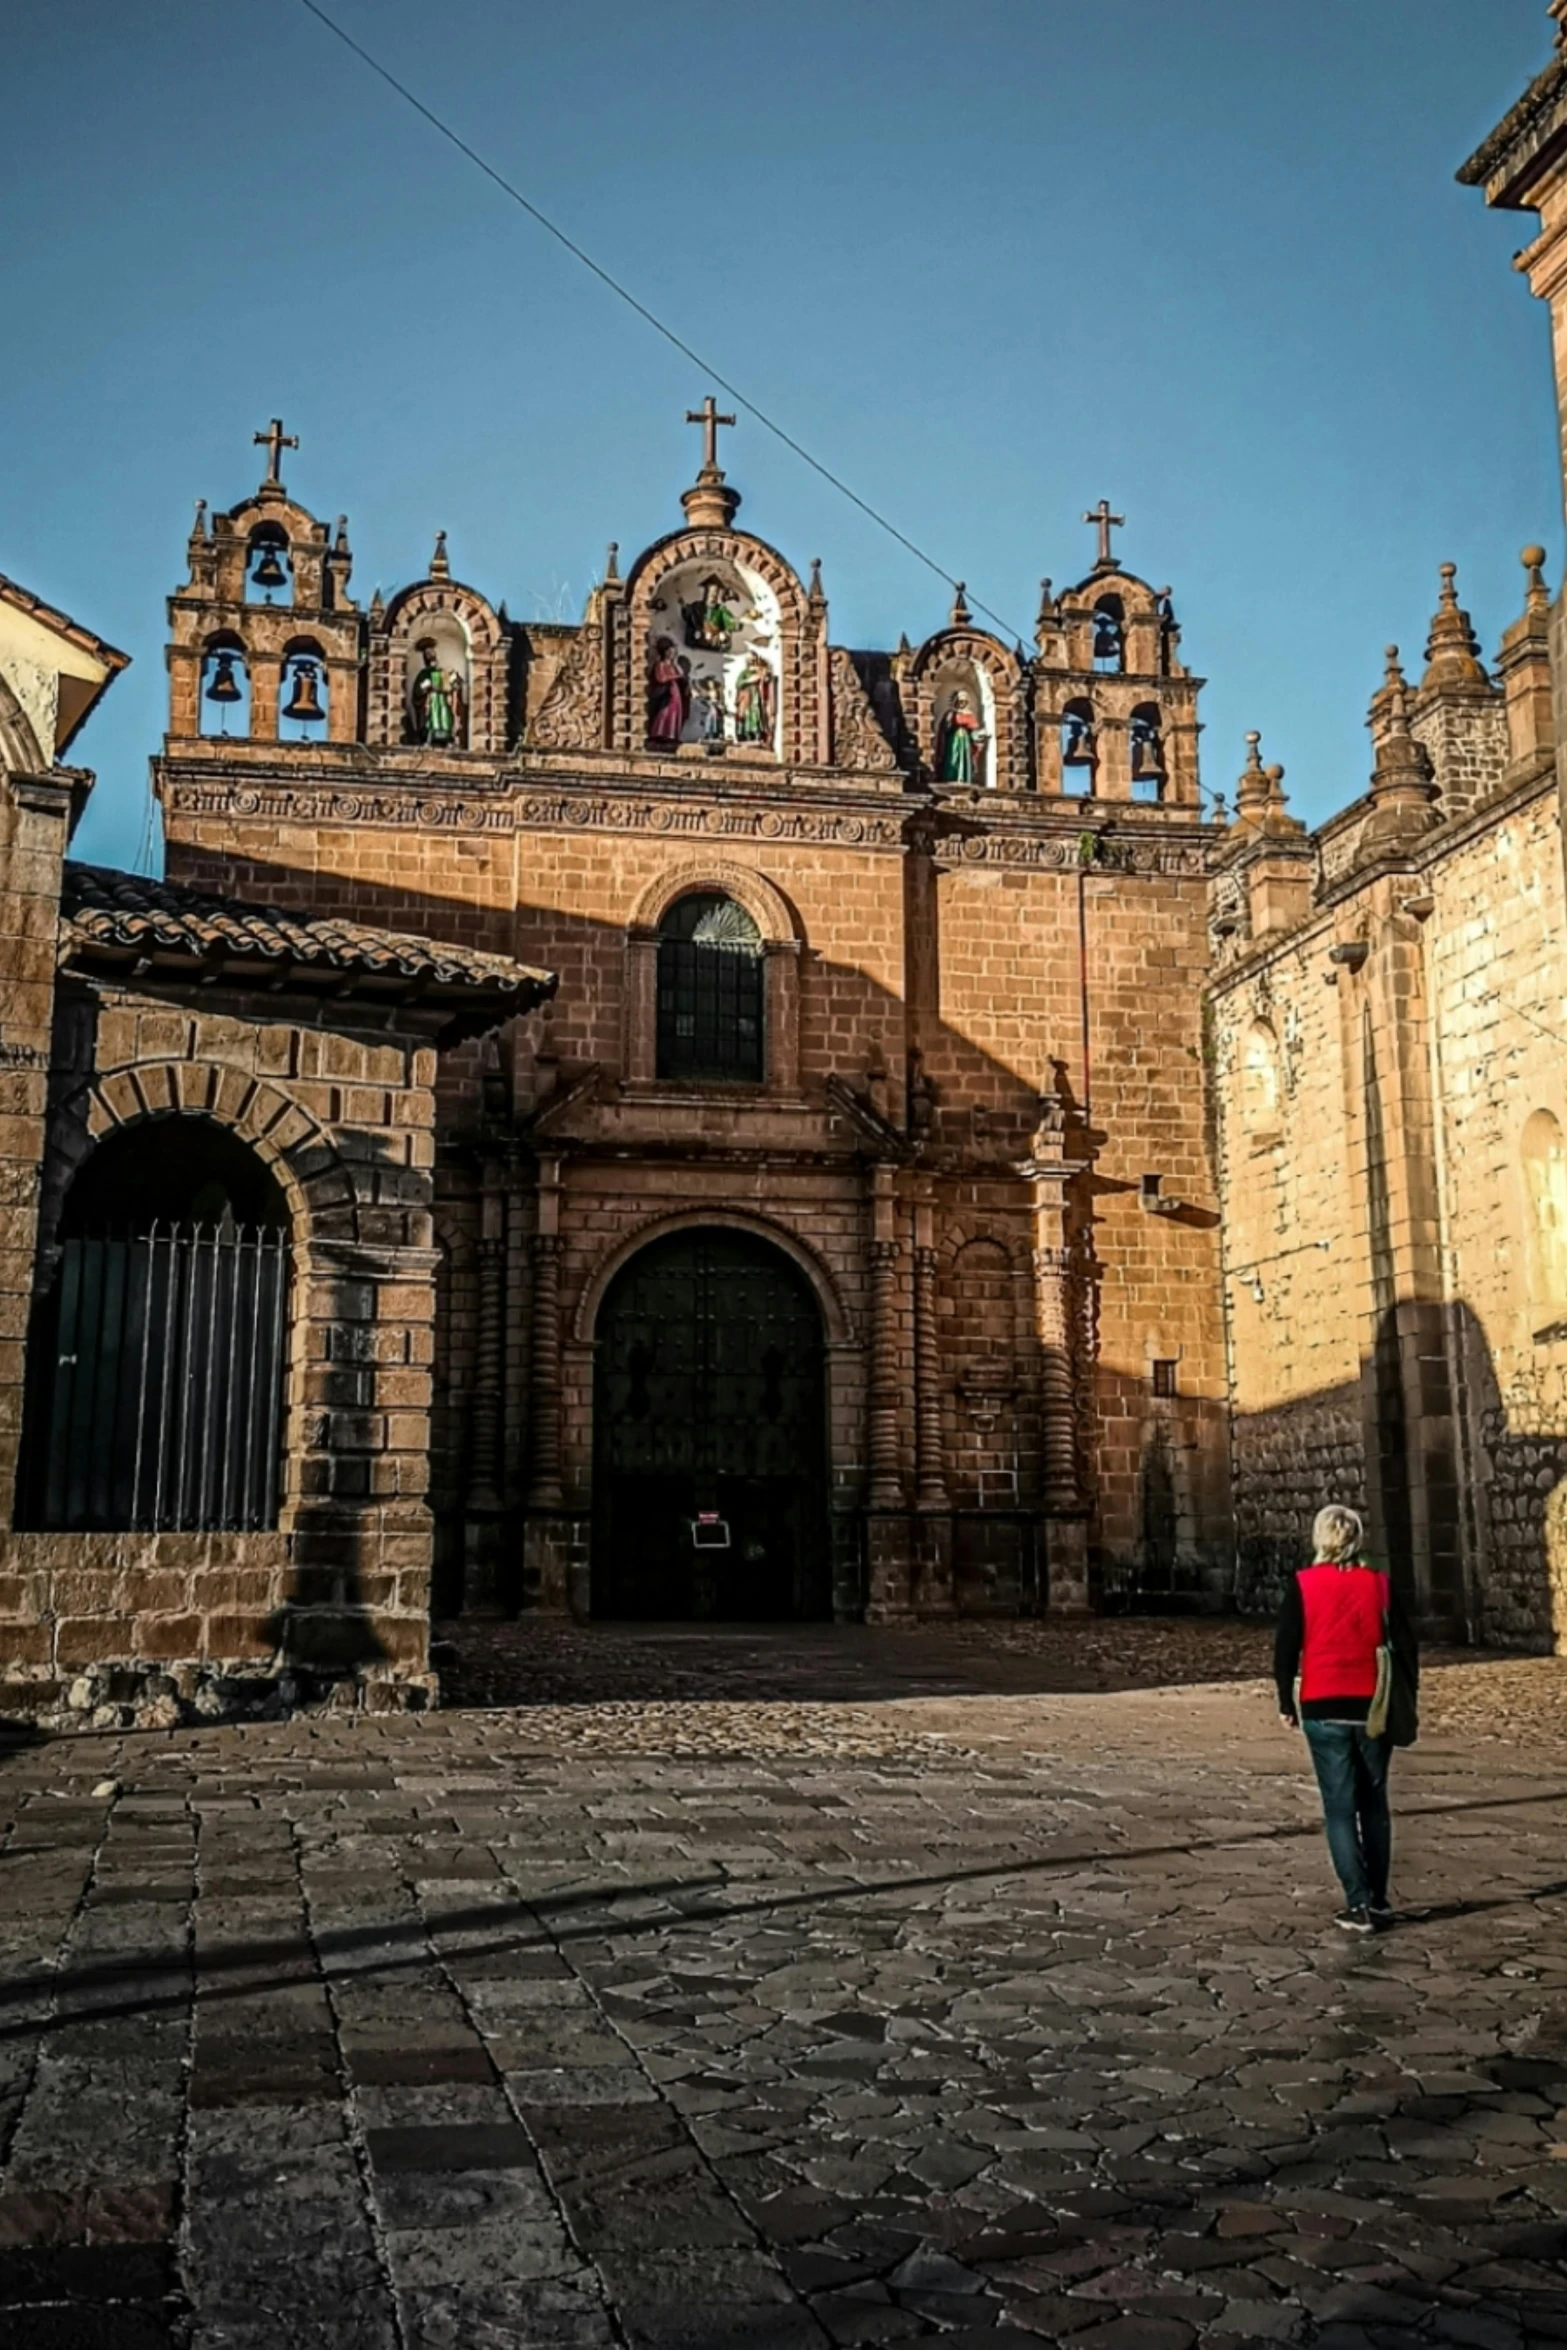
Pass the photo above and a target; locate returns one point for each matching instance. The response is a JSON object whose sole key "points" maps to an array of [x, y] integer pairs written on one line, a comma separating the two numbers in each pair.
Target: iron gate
{"points": [[162, 1403], [710, 1401]]}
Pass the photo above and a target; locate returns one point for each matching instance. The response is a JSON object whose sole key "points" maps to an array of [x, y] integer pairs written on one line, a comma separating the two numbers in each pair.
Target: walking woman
{"points": [[1353, 1703]]}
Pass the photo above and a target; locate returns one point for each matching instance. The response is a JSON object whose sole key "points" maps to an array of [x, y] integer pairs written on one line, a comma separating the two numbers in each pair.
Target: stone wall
{"points": [[1396, 1339]]}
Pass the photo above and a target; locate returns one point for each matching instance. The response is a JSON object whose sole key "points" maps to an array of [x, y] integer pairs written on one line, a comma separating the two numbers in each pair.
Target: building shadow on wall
{"points": [[1463, 1490], [955, 1094]]}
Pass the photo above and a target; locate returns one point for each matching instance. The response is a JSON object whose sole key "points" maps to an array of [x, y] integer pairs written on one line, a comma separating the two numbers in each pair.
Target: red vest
{"points": [[1344, 1608]]}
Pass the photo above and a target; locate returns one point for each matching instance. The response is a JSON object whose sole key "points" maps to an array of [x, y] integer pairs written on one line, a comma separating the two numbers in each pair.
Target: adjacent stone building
{"points": [[217, 1272], [1389, 1018]]}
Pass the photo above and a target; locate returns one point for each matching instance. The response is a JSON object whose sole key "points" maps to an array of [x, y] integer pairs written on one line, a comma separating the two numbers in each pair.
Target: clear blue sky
{"points": [[990, 263]]}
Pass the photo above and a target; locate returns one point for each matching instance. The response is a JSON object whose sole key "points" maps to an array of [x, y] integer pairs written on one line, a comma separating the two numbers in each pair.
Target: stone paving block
{"points": [[454, 2146]]}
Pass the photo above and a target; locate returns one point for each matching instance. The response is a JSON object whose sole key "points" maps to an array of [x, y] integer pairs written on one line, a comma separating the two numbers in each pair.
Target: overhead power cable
{"points": [[649, 318]]}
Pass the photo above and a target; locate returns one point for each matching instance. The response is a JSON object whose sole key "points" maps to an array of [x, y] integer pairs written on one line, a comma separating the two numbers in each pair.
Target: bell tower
{"points": [[265, 642]]}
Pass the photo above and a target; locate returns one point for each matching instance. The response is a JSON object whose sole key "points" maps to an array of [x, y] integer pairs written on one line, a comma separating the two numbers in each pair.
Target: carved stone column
{"points": [[887, 1546], [933, 1526], [1063, 1511], [546, 1539], [481, 1525], [886, 1487]]}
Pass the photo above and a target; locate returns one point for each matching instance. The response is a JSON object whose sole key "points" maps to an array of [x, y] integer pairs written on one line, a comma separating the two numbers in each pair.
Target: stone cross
{"points": [[1107, 522], [275, 440], [708, 417]]}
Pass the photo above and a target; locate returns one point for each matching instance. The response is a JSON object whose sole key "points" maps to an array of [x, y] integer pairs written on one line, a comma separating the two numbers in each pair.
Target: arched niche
{"points": [[304, 693], [776, 629], [269, 565], [713, 659], [964, 674], [1108, 647], [1149, 766], [438, 671], [437, 682], [1544, 1155], [1079, 748], [223, 702], [165, 1333]]}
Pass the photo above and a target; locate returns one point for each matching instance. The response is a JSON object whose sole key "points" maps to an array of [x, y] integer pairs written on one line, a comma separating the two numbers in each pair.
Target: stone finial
{"points": [[198, 529], [612, 564], [440, 568], [377, 610], [340, 539], [817, 593], [1402, 792], [1251, 790], [1452, 648], [1537, 596], [960, 615]]}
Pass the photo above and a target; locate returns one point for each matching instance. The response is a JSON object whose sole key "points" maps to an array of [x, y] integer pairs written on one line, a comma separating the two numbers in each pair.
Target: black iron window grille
{"points": [[164, 1383], [710, 992]]}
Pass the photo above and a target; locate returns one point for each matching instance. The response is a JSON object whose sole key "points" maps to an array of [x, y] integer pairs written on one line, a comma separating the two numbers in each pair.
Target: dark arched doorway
{"points": [[710, 1435], [155, 1360]]}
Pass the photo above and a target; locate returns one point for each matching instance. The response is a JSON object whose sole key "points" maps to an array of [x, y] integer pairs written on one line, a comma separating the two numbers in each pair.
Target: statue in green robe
{"points": [[437, 699]]}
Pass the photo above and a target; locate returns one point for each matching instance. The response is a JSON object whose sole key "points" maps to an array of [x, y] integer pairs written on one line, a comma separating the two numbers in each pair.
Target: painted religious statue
{"points": [[755, 703], [668, 695], [710, 617], [960, 742], [438, 700]]}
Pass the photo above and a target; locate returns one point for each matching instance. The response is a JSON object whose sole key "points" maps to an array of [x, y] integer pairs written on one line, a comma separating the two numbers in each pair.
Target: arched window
{"points": [[303, 693], [710, 1020], [1079, 749], [1147, 743], [1262, 1085], [156, 1398], [225, 686], [1545, 1178], [1109, 634], [269, 567]]}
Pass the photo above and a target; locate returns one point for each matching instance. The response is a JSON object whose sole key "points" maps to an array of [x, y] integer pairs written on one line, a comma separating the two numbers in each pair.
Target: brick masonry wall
{"points": [[340, 1594]]}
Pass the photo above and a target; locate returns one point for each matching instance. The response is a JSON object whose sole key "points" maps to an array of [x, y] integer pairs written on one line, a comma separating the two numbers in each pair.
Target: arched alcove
{"points": [[224, 699], [714, 657], [304, 693], [710, 1433], [269, 565], [963, 706], [1146, 742], [1545, 1180], [1109, 639], [160, 1342], [438, 682], [1079, 749]]}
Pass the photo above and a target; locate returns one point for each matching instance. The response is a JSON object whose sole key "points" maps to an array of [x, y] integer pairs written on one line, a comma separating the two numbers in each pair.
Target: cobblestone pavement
{"points": [[899, 1987]]}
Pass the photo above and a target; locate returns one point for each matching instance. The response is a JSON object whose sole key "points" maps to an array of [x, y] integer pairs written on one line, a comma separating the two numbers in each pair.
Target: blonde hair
{"points": [[1336, 1535]]}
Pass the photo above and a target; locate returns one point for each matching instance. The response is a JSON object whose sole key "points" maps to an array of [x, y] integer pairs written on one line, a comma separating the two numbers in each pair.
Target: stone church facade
{"points": [[841, 1239]]}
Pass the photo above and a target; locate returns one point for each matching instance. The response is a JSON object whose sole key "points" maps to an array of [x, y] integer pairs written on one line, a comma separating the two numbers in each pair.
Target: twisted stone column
{"points": [[886, 1485], [544, 1492], [930, 1484]]}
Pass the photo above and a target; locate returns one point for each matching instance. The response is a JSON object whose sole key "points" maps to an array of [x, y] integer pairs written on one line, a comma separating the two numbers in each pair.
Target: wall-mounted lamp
{"points": [[1420, 907], [1350, 953], [1150, 1199]]}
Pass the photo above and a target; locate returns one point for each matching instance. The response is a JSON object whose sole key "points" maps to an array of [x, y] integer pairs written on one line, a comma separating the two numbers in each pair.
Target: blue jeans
{"points": [[1352, 1775]]}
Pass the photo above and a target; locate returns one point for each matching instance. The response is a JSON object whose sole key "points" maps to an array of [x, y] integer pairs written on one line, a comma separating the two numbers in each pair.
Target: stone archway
{"points": [[710, 1435]]}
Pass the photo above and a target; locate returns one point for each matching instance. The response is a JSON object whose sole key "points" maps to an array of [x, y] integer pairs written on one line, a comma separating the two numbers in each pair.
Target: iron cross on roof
{"points": [[708, 417], [275, 440], [1107, 522]]}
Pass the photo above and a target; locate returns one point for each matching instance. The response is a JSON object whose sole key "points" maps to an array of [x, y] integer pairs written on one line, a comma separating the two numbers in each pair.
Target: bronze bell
{"points": [[269, 572], [1147, 755], [304, 702], [223, 685]]}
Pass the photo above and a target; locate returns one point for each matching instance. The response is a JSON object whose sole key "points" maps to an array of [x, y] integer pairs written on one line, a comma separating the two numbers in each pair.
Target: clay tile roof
{"points": [[120, 918]]}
